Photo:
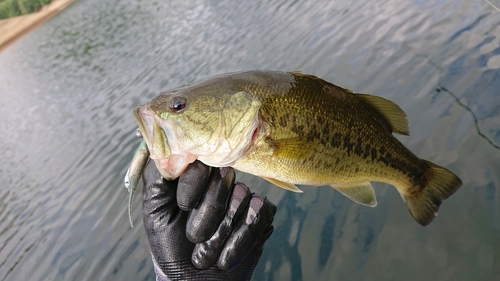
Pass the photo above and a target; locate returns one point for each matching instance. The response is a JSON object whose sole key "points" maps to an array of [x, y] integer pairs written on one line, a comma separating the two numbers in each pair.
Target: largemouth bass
{"points": [[292, 128]]}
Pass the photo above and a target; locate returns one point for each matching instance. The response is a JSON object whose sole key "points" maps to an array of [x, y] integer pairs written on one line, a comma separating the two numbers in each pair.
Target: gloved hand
{"points": [[202, 226]]}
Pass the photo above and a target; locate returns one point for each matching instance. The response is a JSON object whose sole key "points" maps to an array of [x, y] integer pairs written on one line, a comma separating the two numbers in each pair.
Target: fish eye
{"points": [[177, 103]]}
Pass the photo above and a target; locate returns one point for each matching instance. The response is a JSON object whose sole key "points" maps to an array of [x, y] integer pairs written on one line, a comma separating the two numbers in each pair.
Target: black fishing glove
{"points": [[202, 226]]}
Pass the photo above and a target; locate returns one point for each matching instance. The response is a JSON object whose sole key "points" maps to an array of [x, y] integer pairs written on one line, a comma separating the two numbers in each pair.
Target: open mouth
{"points": [[152, 132], [139, 119]]}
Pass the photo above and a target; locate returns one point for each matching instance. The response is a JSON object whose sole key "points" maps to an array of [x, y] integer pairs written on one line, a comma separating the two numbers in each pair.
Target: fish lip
{"points": [[148, 122], [140, 122]]}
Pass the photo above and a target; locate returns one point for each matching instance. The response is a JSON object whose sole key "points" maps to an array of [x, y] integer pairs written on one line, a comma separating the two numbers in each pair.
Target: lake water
{"points": [[67, 90]]}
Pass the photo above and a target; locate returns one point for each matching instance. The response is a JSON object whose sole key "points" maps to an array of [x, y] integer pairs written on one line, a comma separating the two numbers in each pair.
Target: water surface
{"points": [[67, 132]]}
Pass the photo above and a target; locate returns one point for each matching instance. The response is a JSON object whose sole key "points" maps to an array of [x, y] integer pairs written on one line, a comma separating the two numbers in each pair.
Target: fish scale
{"points": [[348, 126]]}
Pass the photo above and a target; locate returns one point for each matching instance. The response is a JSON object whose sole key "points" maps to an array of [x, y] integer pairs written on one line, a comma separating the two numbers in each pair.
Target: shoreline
{"points": [[14, 28]]}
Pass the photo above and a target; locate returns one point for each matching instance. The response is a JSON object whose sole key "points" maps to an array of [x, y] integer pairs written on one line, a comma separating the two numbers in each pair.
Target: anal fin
{"points": [[361, 193], [284, 185]]}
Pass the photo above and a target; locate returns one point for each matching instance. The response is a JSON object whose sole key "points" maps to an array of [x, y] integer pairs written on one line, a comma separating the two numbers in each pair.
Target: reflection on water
{"points": [[67, 132]]}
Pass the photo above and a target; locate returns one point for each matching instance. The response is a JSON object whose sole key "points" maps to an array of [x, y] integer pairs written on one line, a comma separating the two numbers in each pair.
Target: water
{"points": [[67, 132]]}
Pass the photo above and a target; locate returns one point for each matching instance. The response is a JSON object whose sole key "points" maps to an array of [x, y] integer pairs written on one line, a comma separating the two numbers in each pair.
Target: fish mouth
{"points": [[169, 160], [140, 122], [152, 132]]}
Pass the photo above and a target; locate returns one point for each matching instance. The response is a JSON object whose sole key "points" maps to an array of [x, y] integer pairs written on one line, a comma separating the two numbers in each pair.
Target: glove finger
{"points": [[251, 260], [205, 254], [158, 197], [163, 218], [253, 229], [192, 185], [205, 218]]}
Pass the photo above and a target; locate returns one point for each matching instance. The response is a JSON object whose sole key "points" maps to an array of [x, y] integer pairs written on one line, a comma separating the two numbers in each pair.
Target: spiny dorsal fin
{"points": [[391, 111], [284, 185], [310, 76], [361, 193]]}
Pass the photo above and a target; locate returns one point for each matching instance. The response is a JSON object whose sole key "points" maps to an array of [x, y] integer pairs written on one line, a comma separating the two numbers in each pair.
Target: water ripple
{"points": [[67, 132]]}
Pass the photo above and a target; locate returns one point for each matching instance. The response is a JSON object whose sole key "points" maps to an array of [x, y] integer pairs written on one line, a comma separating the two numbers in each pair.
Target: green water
{"points": [[67, 90]]}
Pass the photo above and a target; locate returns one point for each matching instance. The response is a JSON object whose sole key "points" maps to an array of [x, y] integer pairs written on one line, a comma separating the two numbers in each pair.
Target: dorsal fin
{"points": [[391, 111], [310, 76]]}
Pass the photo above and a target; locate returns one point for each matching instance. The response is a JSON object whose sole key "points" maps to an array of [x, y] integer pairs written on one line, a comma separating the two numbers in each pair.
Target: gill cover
{"points": [[239, 120]]}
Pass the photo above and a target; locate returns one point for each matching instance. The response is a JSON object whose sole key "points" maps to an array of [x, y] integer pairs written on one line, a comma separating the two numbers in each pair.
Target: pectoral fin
{"points": [[284, 185], [361, 193], [294, 148]]}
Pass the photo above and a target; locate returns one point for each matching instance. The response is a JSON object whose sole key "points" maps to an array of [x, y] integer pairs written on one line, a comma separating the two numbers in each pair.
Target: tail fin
{"points": [[424, 204]]}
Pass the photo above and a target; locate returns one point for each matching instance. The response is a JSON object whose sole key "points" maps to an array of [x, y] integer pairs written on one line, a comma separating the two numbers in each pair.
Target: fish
{"points": [[291, 129]]}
